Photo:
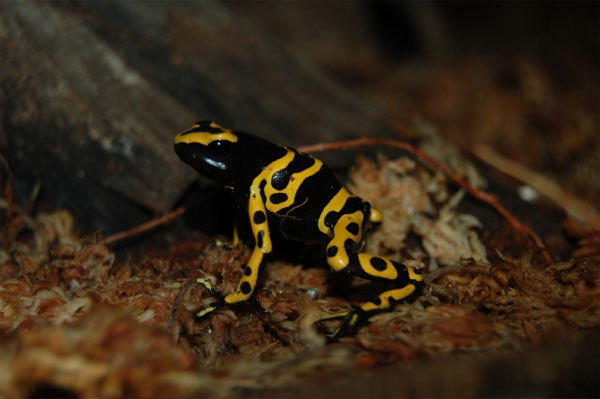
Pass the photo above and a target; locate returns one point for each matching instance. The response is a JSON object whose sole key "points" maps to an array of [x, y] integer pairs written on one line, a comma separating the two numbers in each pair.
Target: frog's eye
{"points": [[219, 148]]}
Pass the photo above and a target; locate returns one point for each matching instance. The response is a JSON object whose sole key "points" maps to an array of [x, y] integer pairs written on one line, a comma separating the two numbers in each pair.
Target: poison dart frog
{"points": [[285, 192]]}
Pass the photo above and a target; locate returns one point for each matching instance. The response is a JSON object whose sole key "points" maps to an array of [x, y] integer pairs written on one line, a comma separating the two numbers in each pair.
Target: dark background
{"points": [[519, 77]]}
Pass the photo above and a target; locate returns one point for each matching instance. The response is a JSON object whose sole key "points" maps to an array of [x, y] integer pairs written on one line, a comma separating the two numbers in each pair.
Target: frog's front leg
{"points": [[341, 254], [251, 271], [262, 247]]}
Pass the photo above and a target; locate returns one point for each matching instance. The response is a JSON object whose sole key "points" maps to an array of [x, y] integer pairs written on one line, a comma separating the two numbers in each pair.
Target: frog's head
{"points": [[210, 149]]}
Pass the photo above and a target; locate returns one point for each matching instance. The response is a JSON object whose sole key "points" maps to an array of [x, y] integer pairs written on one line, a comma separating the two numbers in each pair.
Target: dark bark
{"points": [[92, 96]]}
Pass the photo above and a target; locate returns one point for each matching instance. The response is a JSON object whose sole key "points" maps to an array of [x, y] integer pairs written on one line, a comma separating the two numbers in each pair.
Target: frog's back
{"points": [[302, 196], [310, 189]]}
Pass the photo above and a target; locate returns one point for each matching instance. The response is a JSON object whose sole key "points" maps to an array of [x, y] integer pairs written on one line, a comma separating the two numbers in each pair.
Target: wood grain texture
{"points": [[98, 92]]}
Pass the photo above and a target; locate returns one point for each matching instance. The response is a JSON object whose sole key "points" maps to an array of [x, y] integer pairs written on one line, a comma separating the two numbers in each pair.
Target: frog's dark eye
{"points": [[219, 148]]}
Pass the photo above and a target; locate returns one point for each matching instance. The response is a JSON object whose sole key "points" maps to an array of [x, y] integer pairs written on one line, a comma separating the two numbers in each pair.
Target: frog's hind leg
{"points": [[406, 281], [340, 255]]}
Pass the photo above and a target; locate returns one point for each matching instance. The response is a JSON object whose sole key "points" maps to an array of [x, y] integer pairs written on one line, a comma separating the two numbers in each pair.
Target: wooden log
{"points": [[224, 70], [75, 115], [90, 105]]}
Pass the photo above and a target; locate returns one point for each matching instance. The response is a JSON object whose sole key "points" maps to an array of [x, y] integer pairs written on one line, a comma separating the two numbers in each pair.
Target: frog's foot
{"points": [[235, 240], [209, 309], [225, 300], [208, 285], [351, 320], [226, 245]]}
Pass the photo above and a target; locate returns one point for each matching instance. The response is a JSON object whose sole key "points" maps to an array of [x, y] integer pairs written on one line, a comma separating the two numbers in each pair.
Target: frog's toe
{"points": [[209, 309], [208, 285], [351, 319], [227, 245], [205, 282]]}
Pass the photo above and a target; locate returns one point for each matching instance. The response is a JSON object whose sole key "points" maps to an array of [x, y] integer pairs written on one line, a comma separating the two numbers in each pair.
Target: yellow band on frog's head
{"points": [[204, 133]]}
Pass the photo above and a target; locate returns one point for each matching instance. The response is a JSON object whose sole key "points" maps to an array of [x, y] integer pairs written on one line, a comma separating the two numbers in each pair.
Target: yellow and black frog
{"points": [[285, 192]]}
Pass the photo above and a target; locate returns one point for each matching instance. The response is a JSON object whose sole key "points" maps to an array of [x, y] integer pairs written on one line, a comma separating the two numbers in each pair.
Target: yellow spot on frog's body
{"points": [[334, 205], [257, 205], [375, 216], [340, 235], [414, 275], [384, 298], [388, 273], [294, 182]]}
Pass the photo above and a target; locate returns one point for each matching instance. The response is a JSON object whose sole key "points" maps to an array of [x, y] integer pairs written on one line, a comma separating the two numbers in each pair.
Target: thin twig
{"points": [[488, 198], [166, 218], [572, 205]]}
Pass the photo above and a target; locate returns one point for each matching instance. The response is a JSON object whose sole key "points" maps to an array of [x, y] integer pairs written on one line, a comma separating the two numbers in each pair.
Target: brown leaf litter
{"points": [[77, 320]]}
